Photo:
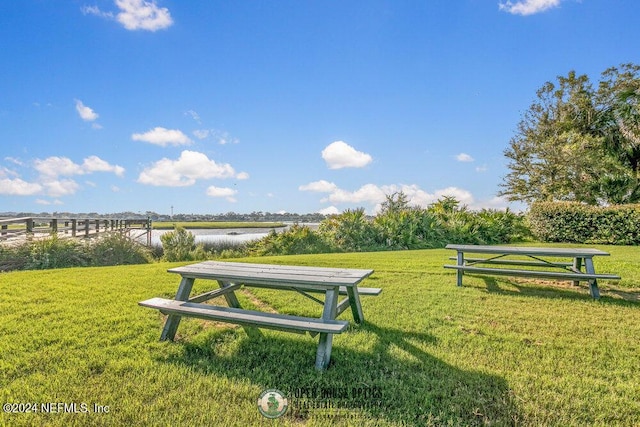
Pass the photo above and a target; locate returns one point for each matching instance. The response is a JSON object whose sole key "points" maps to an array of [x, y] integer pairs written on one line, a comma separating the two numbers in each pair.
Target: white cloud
{"points": [[369, 193], [528, 7], [242, 176], [53, 167], [57, 166], [14, 161], [463, 196], [50, 170], [340, 155], [482, 168], [87, 114], [321, 186], [225, 192], [18, 187], [96, 164], [374, 195], [143, 15], [224, 138], [331, 210], [47, 202], [496, 202], [194, 115], [95, 10], [464, 157], [162, 137], [201, 133], [183, 172], [57, 188]]}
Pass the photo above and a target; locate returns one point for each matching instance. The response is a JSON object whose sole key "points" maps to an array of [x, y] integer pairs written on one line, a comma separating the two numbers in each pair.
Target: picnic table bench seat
{"points": [[247, 317], [568, 275], [501, 261]]}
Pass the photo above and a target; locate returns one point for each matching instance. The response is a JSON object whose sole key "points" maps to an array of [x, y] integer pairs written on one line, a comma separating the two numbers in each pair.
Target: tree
{"points": [[577, 144], [619, 124], [395, 203]]}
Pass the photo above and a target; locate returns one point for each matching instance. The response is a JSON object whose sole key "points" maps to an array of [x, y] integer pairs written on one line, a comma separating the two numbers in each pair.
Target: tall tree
{"points": [[618, 97], [543, 154], [576, 144]]}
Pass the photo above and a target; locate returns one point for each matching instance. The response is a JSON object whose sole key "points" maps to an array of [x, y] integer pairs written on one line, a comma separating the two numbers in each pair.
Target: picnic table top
{"points": [[529, 250], [287, 275]]}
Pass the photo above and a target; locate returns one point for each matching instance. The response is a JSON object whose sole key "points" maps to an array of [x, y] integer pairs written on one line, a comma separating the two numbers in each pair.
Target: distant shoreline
{"points": [[169, 225]]}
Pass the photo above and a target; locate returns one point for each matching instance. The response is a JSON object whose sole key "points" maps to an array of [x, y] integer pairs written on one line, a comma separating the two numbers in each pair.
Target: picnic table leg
{"points": [[593, 283], [460, 273], [173, 320], [232, 301], [354, 302], [577, 266], [323, 355]]}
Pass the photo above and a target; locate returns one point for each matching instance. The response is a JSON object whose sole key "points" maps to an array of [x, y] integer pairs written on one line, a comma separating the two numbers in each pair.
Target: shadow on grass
{"points": [[388, 376], [553, 290]]}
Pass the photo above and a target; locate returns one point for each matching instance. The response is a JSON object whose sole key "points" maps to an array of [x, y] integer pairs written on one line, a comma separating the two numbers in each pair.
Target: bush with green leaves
{"points": [[350, 231], [117, 249], [298, 239], [579, 223], [408, 229], [180, 245], [54, 252], [397, 226]]}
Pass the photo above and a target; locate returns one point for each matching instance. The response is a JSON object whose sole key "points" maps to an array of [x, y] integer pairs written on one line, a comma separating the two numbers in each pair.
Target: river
{"points": [[231, 235]]}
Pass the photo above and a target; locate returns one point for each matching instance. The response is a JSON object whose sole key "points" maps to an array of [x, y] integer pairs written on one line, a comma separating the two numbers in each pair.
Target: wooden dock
{"points": [[20, 229]]}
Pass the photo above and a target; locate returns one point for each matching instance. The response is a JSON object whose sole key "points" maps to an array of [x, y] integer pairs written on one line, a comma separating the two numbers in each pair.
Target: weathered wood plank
{"points": [[213, 294], [343, 290], [528, 250], [171, 325], [246, 317], [329, 313], [514, 262], [268, 274], [232, 301], [534, 273]]}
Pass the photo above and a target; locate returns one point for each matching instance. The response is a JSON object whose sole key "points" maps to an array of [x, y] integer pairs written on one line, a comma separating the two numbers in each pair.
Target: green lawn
{"points": [[497, 351]]}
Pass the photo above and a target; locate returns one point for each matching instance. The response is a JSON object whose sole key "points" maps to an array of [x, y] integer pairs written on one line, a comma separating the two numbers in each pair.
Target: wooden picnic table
{"points": [[527, 256], [231, 276]]}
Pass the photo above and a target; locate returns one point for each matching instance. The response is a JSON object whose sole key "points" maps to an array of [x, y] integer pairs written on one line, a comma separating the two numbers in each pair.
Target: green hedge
{"points": [[578, 223]]}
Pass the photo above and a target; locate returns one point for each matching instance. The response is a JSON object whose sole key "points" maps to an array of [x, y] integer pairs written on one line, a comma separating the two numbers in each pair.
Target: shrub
{"points": [[117, 249], [408, 229], [397, 226], [488, 226], [578, 223], [14, 257], [349, 231], [54, 252], [180, 245], [296, 240]]}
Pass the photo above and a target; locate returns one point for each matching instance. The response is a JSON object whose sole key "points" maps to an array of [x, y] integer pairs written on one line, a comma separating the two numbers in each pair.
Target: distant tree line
{"points": [[256, 216]]}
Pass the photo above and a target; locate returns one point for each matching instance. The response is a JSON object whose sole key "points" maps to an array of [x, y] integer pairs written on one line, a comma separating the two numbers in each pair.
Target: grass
{"points": [[496, 351], [169, 225]]}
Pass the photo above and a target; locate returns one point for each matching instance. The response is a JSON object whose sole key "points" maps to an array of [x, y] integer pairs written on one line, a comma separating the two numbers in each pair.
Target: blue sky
{"points": [[296, 106]]}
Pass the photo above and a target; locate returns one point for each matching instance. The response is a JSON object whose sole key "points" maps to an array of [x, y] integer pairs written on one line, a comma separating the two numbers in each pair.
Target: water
{"points": [[231, 235]]}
